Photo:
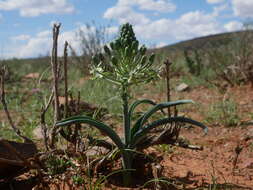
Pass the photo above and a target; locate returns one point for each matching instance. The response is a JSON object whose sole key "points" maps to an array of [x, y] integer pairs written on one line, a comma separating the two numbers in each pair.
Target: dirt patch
{"points": [[216, 163]]}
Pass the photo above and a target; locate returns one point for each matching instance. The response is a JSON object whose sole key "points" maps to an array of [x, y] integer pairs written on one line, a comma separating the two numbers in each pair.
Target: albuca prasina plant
{"points": [[125, 63]]}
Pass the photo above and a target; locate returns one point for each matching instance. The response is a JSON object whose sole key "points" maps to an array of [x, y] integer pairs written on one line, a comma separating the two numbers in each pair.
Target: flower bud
{"points": [[107, 50], [152, 58]]}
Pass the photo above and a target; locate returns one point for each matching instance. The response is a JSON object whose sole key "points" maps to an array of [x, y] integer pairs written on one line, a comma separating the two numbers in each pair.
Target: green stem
{"points": [[126, 116], [126, 155], [127, 165]]}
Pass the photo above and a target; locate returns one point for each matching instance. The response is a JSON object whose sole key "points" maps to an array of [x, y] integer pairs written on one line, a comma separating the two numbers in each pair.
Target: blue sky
{"points": [[25, 25]]}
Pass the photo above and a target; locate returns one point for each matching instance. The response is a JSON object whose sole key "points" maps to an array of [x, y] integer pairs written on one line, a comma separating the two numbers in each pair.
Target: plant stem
{"points": [[127, 164], [126, 155], [126, 116]]}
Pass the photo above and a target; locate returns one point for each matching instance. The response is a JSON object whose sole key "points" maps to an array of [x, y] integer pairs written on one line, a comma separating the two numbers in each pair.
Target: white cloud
{"points": [[31, 8], [150, 5], [44, 34], [112, 30], [125, 14], [22, 37], [35, 46], [217, 10], [189, 25], [124, 11], [159, 6], [214, 1], [243, 8], [233, 26], [23, 46], [160, 44]]}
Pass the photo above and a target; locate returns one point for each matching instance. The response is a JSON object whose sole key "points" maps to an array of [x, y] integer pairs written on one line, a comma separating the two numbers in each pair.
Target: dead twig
{"points": [[15, 129], [238, 150], [55, 72], [54, 63], [66, 79], [44, 127], [168, 64]]}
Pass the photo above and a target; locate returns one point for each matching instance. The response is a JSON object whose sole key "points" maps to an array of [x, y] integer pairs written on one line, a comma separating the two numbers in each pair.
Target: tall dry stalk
{"points": [[44, 127], [55, 72], [167, 65], [65, 62], [54, 63]]}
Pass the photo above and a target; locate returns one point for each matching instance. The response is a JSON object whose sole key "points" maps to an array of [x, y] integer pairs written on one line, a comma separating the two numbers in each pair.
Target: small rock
{"points": [[38, 133], [249, 165], [32, 76], [96, 151], [182, 87]]}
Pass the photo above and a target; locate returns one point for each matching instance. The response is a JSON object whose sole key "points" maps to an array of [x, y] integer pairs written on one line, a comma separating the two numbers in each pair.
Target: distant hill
{"points": [[204, 42]]}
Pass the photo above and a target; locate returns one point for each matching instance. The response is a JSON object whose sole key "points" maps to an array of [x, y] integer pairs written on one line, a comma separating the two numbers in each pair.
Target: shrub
{"points": [[223, 112], [194, 61], [91, 40], [57, 165], [233, 62]]}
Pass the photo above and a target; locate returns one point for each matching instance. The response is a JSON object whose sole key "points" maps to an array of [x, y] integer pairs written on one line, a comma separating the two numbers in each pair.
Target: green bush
{"points": [[224, 113], [57, 165]]}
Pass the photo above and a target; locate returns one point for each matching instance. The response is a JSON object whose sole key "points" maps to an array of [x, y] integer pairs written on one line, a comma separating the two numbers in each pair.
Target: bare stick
{"points": [[15, 129], [78, 102], [66, 78], [54, 63], [238, 150], [168, 64], [55, 69], [44, 128]]}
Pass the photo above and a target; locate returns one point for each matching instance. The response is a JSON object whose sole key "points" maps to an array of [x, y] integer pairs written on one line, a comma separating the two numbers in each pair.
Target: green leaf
{"points": [[99, 125], [161, 106], [143, 60], [143, 119], [143, 131], [134, 105]]}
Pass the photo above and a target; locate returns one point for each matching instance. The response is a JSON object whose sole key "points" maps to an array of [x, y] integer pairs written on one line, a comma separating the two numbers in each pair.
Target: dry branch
{"points": [[15, 129], [54, 63], [43, 124], [55, 72], [168, 64], [66, 78]]}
